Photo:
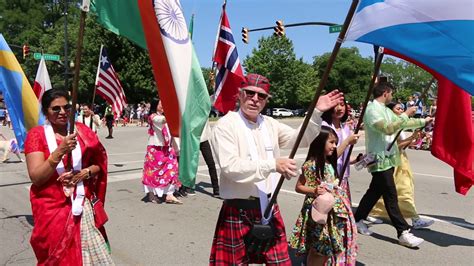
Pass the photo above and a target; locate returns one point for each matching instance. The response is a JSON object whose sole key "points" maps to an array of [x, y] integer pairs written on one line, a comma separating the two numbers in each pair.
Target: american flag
{"points": [[229, 74], [108, 85]]}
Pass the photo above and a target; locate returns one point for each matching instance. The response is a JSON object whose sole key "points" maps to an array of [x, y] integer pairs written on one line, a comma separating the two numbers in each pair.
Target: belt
{"points": [[244, 204]]}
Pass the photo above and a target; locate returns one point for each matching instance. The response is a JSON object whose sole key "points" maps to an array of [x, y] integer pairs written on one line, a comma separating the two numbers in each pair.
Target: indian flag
{"points": [[160, 27]]}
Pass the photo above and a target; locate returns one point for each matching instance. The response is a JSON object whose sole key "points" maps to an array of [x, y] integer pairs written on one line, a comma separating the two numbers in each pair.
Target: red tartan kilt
{"points": [[228, 246]]}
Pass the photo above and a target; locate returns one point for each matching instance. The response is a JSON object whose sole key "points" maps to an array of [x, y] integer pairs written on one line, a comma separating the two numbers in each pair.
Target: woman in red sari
{"points": [[66, 231]]}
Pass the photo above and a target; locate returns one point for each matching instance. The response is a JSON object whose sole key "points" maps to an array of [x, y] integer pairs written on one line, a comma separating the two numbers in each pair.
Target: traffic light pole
{"points": [[297, 25]]}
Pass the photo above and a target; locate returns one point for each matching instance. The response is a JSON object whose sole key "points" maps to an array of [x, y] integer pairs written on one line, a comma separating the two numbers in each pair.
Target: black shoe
{"points": [[153, 198], [109, 137], [215, 193], [181, 193], [190, 191]]}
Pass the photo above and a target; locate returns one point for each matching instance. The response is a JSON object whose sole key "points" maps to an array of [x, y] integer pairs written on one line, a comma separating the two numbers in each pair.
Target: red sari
{"points": [[56, 238]]}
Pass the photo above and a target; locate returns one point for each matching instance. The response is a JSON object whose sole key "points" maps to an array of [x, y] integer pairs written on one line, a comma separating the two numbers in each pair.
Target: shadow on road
{"points": [[455, 220], [200, 188], [28, 218], [442, 239], [15, 184], [301, 260]]}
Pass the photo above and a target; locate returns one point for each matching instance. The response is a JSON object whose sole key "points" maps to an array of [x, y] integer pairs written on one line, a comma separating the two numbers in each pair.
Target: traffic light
{"points": [[26, 51], [245, 35], [279, 28]]}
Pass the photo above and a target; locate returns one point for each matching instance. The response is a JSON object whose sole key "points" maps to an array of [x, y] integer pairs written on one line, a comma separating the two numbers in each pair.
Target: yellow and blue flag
{"points": [[21, 102]]}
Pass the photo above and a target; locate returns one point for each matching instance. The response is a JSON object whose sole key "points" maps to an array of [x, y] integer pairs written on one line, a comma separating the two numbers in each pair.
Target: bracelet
{"points": [[52, 162], [89, 173]]}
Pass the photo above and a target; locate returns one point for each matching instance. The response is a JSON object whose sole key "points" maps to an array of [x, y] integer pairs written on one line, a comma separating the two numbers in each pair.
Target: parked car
{"points": [[282, 112], [299, 112]]}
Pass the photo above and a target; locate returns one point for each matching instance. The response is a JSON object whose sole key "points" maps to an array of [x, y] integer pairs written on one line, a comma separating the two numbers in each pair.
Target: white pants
{"points": [[168, 190]]}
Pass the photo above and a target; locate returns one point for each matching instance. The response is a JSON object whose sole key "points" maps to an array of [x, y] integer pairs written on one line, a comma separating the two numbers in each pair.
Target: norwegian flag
{"points": [[229, 74], [108, 85]]}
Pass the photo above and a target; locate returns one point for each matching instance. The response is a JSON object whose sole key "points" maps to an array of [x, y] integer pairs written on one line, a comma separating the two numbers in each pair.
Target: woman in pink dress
{"points": [[160, 171]]}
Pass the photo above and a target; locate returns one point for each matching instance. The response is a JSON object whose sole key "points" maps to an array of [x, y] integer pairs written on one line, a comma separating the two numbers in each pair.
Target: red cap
{"points": [[257, 80]]}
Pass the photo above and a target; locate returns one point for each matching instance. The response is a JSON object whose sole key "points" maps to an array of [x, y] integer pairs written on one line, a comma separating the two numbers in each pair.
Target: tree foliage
{"points": [[350, 73], [291, 79], [40, 24]]}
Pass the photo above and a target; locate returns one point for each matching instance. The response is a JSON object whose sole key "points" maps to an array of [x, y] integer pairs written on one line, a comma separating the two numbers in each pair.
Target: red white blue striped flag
{"points": [[108, 85]]}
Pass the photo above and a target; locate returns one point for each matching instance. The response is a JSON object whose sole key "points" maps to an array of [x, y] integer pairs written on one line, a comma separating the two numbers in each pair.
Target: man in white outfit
{"points": [[247, 148]]}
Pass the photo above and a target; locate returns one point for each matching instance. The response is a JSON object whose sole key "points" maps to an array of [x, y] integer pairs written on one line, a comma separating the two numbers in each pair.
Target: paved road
{"points": [[150, 234]]}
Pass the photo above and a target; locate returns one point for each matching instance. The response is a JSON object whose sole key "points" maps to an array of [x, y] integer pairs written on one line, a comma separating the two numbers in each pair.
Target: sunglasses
{"points": [[57, 108], [261, 96]]}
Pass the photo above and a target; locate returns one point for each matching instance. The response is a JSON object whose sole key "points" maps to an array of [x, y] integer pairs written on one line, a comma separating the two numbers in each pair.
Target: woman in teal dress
{"points": [[333, 243]]}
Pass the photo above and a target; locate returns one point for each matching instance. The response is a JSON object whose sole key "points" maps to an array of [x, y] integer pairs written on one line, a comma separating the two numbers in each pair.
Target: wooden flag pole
{"points": [[423, 94], [317, 93], [77, 64], [378, 62], [75, 83]]}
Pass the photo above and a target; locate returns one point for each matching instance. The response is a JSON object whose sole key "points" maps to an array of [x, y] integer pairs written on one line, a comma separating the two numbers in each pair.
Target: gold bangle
{"points": [[52, 162]]}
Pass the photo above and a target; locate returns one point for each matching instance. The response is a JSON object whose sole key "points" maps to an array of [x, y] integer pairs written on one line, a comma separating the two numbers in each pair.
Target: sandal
{"points": [[173, 201]]}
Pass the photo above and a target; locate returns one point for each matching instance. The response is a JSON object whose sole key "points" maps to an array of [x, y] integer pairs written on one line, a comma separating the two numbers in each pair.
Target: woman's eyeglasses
{"points": [[261, 96], [57, 108]]}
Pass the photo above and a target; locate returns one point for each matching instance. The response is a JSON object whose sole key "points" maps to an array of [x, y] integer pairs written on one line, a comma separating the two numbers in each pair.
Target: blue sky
{"points": [[308, 41]]}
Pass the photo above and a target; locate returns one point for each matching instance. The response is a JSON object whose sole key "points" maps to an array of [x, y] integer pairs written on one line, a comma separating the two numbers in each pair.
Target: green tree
{"points": [[40, 24], [406, 77], [290, 78], [351, 73]]}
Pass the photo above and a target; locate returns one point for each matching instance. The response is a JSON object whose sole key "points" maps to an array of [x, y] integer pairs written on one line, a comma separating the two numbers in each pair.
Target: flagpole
{"points": [[317, 93], [423, 94], [214, 65], [77, 64], [97, 76], [378, 63]]}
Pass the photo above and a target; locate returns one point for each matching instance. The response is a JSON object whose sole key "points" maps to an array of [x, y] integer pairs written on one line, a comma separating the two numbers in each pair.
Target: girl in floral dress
{"points": [[160, 171], [333, 243]]}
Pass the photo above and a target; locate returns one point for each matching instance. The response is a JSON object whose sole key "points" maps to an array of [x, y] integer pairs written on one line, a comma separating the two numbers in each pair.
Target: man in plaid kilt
{"points": [[247, 147]]}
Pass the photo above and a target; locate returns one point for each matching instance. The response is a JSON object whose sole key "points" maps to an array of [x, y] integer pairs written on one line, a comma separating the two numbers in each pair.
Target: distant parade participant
{"points": [[206, 151], [247, 148], [88, 118], [380, 124], [67, 205], [160, 171], [109, 121]]}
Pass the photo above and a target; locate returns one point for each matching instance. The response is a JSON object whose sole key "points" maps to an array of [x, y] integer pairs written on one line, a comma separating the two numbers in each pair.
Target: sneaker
{"points": [[409, 240], [363, 229], [419, 223], [374, 220]]}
